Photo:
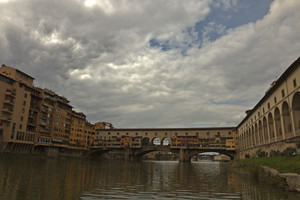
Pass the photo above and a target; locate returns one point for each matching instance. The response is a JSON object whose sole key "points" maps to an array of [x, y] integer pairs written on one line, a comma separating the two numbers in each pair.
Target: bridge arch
{"points": [[165, 141], [227, 153], [146, 141], [156, 141]]}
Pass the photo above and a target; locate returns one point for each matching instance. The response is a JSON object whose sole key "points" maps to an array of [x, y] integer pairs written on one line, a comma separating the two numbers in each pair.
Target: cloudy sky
{"points": [[153, 63]]}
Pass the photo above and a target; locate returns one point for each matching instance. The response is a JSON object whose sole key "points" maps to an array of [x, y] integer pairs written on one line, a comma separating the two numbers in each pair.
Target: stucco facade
{"points": [[276, 117]]}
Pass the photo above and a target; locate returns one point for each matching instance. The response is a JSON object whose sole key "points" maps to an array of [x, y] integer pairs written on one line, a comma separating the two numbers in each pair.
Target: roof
{"points": [[3, 65]]}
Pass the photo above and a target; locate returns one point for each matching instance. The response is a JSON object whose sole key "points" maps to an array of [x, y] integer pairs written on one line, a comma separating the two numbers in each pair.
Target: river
{"points": [[31, 177]]}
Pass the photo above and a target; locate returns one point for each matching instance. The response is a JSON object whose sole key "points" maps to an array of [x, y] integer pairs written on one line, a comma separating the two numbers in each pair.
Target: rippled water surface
{"points": [[25, 177]]}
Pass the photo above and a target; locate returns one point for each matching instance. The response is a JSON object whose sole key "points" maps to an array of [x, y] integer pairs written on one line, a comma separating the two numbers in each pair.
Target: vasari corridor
{"points": [[170, 99]]}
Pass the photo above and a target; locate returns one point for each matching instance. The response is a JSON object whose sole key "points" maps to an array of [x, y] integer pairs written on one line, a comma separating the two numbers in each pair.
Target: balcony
{"points": [[43, 130], [10, 93], [31, 122], [9, 101], [7, 110], [49, 97], [43, 116], [34, 107], [5, 118], [31, 129]]}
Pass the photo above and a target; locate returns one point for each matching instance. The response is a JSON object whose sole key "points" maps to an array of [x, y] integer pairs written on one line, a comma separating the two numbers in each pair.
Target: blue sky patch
{"points": [[219, 20]]}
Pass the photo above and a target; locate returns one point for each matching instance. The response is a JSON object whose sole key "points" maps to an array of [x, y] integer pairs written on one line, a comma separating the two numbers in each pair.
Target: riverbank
{"points": [[277, 170]]}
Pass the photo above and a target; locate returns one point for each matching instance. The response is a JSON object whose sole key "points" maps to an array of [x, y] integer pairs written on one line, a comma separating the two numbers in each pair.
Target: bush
{"points": [[247, 156], [260, 153], [275, 153], [289, 151]]}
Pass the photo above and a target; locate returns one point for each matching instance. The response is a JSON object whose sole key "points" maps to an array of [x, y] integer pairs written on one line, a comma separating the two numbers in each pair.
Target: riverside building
{"points": [[274, 122], [31, 117], [17, 127]]}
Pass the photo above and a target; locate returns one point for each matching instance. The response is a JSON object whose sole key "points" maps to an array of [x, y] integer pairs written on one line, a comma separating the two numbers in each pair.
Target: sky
{"points": [[153, 63]]}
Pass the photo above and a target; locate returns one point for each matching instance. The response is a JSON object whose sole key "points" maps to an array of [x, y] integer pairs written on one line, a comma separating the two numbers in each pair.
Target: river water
{"points": [[29, 177]]}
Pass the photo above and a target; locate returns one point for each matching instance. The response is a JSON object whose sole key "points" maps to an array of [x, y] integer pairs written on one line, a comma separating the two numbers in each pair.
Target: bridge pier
{"points": [[184, 155]]}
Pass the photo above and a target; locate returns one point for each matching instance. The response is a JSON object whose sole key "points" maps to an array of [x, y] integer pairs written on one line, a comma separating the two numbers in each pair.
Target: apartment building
{"points": [[77, 135], [15, 102], [31, 115], [89, 134]]}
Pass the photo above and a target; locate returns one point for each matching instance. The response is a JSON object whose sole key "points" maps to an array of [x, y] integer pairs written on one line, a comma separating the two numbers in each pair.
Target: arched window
{"points": [[265, 128], [296, 110], [260, 132], [271, 126], [287, 123], [277, 122]]}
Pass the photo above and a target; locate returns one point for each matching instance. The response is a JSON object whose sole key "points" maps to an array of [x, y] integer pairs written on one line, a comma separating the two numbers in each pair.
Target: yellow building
{"points": [[31, 115], [15, 101], [89, 134], [78, 136], [274, 122]]}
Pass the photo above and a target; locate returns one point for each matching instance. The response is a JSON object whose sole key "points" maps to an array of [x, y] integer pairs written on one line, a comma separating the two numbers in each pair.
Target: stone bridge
{"points": [[186, 142], [184, 154]]}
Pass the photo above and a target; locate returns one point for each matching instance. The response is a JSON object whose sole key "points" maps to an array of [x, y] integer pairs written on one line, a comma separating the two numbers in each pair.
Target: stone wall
{"points": [[276, 146]]}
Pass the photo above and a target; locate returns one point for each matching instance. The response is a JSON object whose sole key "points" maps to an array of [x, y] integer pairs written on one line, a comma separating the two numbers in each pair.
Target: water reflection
{"points": [[63, 178]]}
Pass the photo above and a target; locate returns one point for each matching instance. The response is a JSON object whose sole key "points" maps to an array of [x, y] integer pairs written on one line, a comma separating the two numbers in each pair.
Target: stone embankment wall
{"points": [[276, 146], [42, 150], [292, 179]]}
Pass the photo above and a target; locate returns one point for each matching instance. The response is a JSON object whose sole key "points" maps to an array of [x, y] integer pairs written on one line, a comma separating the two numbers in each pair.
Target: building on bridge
{"points": [[218, 137], [274, 122]]}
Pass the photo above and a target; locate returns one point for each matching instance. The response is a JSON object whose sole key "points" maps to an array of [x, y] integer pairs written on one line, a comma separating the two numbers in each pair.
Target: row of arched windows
{"points": [[274, 126]]}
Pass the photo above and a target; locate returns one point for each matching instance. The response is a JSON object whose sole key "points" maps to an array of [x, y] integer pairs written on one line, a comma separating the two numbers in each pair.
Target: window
{"points": [[21, 118], [294, 83], [282, 93], [20, 126], [275, 100], [268, 105], [136, 133], [25, 95], [24, 103], [23, 110], [207, 133]]}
